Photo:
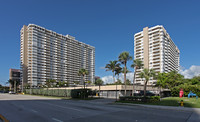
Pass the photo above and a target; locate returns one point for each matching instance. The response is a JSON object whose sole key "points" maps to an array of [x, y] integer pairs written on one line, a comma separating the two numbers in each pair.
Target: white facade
{"points": [[46, 54], [161, 54]]}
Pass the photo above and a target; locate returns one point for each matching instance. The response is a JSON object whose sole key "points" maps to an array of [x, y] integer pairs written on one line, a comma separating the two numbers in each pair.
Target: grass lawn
{"points": [[172, 101]]}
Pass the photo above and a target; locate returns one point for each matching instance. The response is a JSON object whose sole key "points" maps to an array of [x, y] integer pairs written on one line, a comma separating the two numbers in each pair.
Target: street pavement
{"points": [[25, 108]]}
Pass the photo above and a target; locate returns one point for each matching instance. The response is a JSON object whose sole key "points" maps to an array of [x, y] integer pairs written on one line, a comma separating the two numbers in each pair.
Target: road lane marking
{"points": [[56, 120], [61, 106], [34, 111]]}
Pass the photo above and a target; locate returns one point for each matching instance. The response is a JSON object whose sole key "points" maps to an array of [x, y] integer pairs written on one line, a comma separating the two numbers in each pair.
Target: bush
{"points": [[154, 98], [186, 88], [140, 98], [50, 92], [74, 93], [80, 93]]}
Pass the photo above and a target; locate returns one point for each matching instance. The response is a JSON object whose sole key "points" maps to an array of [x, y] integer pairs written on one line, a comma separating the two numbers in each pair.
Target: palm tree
{"points": [[123, 70], [83, 72], [118, 70], [14, 84], [137, 64], [98, 82], [112, 66], [147, 74], [123, 58]]}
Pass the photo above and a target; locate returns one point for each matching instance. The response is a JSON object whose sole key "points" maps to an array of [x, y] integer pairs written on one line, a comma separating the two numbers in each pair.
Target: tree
{"points": [[118, 70], [128, 82], [14, 84], [112, 66], [123, 70], [50, 82], [123, 58], [161, 80], [99, 82], [89, 82], [195, 80], [174, 79], [147, 74], [118, 82], [76, 83], [137, 64], [83, 72]]}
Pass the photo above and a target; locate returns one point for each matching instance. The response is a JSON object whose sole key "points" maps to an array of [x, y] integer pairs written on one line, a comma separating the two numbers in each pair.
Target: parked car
{"points": [[148, 93], [12, 92]]}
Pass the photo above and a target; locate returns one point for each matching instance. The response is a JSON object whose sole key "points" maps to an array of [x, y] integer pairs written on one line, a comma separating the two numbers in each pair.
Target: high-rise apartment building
{"points": [[156, 49], [46, 54]]}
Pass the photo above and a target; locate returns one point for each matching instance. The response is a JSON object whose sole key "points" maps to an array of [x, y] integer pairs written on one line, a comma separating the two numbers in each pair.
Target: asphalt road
{"points": [[24, 108]]}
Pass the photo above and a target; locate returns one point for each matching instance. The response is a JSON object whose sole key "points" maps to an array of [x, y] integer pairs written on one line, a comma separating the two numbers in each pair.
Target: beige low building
{"points": [[109, 91]]}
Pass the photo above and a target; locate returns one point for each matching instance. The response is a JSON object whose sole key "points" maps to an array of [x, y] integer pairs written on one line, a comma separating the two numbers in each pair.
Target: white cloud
{"points": [[191, 72], [109, 79], [102, 68]]}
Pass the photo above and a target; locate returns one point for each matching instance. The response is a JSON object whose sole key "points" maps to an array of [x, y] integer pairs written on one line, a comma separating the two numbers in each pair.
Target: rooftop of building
{"points": [[64, 36]]}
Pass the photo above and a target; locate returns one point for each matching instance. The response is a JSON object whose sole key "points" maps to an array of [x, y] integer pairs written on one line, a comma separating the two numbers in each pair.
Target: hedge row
{"points": [[140, 98], [186, 88], [74, 93]]}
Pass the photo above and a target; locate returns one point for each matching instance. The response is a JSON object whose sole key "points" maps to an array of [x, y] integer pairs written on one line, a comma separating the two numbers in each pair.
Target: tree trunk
{"points": [[15, 84], [160, 91], [134, 81], [125, 77], [113, 77], [145, 86]]}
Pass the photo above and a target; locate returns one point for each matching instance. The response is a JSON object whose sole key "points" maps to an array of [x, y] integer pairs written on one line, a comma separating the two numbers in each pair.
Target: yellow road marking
{"points": [[3, 118]]}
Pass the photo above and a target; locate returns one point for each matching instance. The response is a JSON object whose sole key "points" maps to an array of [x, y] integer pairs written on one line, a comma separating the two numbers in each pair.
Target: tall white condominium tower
{"points": [[46, 54], [154, 47]]}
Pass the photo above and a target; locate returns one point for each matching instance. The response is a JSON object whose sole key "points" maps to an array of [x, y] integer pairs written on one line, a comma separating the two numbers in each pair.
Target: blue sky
{"points": [[108, 25]]}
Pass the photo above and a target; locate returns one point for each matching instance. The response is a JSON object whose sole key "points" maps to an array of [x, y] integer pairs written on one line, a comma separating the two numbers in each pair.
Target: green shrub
{"points": [[140, 98], [80, 93], [186, 88], [74, 93], [154, 98], [50, 92]]}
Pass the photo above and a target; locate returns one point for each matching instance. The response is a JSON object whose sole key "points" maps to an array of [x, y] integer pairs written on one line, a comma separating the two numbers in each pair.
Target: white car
{"points": [[11, 92]]}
